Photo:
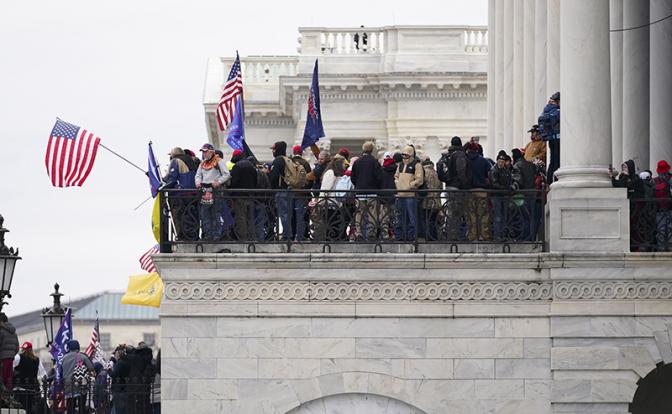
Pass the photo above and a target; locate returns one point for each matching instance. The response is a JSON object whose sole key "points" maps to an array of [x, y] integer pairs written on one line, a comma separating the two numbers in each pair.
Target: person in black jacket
{"points": [[243, 177], [25, 377], [120, 377], [387, 213], [283, 199], [523, 177], [478, 215], [501, 181], [367, 177]]}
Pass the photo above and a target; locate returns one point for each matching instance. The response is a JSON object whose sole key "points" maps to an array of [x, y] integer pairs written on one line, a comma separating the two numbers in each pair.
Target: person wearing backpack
{"points": [[211, 178], [664, 206], [408, 179], [300, 201], [478, 211], [76, 372], [286, 175], [549, 127]]}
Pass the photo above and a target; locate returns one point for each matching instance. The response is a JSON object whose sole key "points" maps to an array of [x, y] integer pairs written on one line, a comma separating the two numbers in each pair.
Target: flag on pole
{"points": [[236, 134], [64, 334], [146, 262], [314, 129], [71, 152], [153, 172], [233, 92], [95, 350], [144, 290]]}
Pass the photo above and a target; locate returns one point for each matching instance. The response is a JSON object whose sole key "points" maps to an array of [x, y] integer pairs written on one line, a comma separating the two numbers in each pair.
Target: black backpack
{"points": [[460, 170], [443, 168]]}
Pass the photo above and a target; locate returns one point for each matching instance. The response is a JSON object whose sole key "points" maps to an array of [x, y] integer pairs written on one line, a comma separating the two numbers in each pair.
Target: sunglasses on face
{"points": [[405, 156]]}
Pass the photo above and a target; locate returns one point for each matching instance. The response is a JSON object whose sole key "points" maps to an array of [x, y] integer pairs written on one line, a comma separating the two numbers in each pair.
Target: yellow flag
{"points": [[144, 290], [156, 220]]}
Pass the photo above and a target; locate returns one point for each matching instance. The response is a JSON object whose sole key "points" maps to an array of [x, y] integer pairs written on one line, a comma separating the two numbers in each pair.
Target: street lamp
{"points": [[8, 258], [53, 317]]}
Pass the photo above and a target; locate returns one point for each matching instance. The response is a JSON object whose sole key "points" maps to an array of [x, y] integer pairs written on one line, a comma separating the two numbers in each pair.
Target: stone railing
{"points": [[375, 40], [264, 69]]}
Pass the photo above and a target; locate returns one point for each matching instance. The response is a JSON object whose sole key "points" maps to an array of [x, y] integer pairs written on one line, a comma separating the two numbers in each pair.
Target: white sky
{"points": [[130, 71]]}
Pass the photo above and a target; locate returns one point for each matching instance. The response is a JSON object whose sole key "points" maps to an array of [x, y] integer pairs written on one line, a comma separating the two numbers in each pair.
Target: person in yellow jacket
{"points": [[536, 148], [408, 178]]}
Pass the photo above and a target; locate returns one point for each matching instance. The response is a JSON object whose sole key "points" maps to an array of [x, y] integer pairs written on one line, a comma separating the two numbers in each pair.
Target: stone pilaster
{"points": [[586, 213], [492, 52], [553, 49], [636, 83], [529, 117], [518, 72], [540, 45], [508, 75], [499, 75], [661, 83]]}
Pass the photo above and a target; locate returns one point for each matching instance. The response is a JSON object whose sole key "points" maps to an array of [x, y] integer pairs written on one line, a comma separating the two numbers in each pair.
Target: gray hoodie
{"points": [[220, 175], [9, 341]]}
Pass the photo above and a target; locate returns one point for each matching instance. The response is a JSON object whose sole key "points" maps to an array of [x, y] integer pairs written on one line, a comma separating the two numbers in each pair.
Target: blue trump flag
{"points": [[314, 129], [236, 134], [64, 334], [153, 173]]}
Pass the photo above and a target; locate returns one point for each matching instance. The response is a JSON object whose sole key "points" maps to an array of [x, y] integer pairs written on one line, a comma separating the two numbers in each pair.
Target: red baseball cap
{"points": [[236, 152], [662, 167], [27, 345], [296, 150]]}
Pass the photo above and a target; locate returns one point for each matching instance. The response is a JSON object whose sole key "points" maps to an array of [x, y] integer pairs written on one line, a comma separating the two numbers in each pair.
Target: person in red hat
{"points": [[212, 176], [27, 368], [662, 184]]}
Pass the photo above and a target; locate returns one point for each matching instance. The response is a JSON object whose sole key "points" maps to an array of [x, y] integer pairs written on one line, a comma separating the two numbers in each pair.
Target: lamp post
{"points": [[53, 316], [8, 258]]}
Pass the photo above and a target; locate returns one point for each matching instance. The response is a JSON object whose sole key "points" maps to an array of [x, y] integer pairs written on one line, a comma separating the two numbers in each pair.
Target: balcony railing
{"points": [[383, 217], [650, 225]]}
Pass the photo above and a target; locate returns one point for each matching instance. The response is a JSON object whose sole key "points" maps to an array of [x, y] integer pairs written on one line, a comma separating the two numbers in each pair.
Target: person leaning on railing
{"points": [[325, 209], [211, 177], [478, 217], [243, 177], [367, 176], [181, 175]]}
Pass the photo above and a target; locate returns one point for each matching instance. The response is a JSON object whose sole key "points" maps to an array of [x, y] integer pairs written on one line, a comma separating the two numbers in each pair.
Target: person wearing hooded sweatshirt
{"points": [[408, 178], [283, 199], [9, 347], [182, 175], [75, 393], [478, 212], [243, 177], [431, 202], [211, 177], [640, 233], [389, 168]]}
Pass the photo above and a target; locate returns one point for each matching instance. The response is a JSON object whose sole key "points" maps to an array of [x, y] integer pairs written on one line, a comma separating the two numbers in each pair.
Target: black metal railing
{"points": [[650, 225], [377, 217], [94, 395]]}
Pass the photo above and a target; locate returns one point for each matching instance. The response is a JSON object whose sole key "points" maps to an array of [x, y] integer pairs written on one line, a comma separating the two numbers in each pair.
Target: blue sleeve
{"points": [[171, 178]]}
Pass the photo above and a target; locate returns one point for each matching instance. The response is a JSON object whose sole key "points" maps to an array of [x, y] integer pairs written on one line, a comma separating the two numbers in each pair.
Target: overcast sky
{"points": [[130, 71]]}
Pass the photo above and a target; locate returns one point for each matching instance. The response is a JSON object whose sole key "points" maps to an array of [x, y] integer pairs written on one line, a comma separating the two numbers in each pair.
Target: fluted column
{"points": [[585, 212], [661, 83], [492, 88], [616, 22], [507, 142], [636, 83], [528, 86], [540, 95], [499, 76], [585, 121], [553, 48], [518, 71]]}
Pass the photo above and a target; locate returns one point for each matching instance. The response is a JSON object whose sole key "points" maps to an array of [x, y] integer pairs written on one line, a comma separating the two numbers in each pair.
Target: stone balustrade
{"points": [[264, 69]]}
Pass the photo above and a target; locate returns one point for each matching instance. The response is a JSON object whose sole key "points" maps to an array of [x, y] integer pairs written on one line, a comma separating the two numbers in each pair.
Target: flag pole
{"points": [[123, 158]]}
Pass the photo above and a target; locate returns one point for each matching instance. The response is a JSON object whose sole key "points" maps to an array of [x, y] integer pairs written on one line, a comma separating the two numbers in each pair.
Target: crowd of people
{"points": [[127, 382]]}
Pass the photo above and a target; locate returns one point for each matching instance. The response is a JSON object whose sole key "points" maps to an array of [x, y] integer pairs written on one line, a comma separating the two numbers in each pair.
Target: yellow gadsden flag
{"points": [[144, 290], [156, 220]]}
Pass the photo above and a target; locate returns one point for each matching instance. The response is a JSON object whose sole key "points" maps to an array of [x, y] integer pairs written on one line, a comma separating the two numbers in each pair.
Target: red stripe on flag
{"points": [[77, 161], [91, 160]]}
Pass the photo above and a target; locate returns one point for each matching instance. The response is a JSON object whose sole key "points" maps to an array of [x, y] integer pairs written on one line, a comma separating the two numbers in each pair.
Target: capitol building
{"points": [[581, 322]]}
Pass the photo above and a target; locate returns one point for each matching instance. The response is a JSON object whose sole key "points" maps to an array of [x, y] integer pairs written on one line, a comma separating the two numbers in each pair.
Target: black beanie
{"points": [[456, 141]]}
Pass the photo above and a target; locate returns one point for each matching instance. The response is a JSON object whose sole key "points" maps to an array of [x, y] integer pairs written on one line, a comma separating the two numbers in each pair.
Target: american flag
{"points": [[71, 153], [146, 262], [95, 349], [233, 91]]}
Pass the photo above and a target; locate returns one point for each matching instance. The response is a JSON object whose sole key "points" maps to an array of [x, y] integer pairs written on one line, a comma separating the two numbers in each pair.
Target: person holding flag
{"points": [[182, 175], [314, 129]]}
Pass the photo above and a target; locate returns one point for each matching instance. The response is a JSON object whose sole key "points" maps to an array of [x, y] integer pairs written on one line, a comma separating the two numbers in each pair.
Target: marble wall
{"points": [[528, 333]]}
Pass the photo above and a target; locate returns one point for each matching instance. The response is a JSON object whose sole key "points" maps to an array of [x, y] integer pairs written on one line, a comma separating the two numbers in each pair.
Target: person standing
{"points": [[77, 372], [366, 176], [478, 215], [300, 201], [549, 125], [27, 367], [408, 179], [536, 148], [181, 175], [9, 347], [243, 177], [211, 178]]}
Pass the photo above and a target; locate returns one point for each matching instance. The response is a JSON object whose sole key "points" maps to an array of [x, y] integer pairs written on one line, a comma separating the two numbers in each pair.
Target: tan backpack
{"points": [[295, 174]]}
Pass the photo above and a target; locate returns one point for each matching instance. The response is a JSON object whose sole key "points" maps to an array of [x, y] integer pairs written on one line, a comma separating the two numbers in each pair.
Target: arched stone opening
{"points": [[356, 403], [654, 392]]}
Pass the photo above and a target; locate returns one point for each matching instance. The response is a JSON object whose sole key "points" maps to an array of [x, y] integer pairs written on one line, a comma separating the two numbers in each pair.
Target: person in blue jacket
{"points": [[183, 204], [549, 123]]}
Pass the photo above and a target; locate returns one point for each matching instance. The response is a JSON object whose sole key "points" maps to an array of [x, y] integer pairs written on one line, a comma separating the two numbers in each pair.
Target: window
{"points": [[148, 338], [105, 341]]}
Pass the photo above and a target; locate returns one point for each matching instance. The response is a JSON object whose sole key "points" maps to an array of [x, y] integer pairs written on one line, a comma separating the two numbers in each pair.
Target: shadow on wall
{"points": [[356, 404], [653, 392]]}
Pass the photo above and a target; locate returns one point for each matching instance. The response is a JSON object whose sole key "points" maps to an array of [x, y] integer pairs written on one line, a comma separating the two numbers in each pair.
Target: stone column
{"points": [[616, 22], [492, 88], [518, 71], [586, 213], [529, 117], [636, 83], [661, 83], [499, 76], [553, 48], [540, 32], [508, 76]]}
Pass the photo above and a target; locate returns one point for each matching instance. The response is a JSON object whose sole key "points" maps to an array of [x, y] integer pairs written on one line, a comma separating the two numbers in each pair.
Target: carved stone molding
{"points": [[417, 291]]}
